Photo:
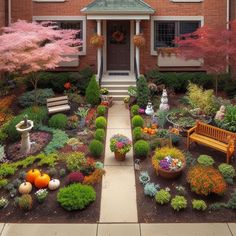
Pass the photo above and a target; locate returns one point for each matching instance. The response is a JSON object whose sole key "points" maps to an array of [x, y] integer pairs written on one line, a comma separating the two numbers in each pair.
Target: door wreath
{"points": [[118, 36]]}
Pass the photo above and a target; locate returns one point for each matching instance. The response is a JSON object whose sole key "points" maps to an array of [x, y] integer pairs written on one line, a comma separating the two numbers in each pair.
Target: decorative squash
{"points": [[25, 188], [54, 184], [31, 175], [42, 181]]}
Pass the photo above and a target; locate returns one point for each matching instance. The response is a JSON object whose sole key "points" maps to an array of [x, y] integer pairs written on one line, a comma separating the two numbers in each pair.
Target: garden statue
{"points": [[164, 106], [149, 109], [220, 115], [24, 127], [155, 119]]}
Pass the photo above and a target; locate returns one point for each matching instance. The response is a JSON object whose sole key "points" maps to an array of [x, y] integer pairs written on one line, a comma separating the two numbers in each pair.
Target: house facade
{"points": [[159, 21]]}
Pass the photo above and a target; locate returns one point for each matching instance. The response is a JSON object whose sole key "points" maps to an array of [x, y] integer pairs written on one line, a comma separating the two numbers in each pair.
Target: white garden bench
{"points": [[58, 104]]}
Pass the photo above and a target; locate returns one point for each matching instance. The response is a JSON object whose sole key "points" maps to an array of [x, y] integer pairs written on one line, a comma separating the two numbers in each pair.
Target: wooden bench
{"points": [[213, 137], [58, 104]]}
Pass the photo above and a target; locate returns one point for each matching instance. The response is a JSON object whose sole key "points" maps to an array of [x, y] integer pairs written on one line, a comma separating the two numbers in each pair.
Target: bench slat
{"points": [[53, 104], [58, 109], [55, 99]]}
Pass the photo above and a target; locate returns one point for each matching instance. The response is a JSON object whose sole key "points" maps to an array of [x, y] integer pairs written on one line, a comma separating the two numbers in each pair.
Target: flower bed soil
{"points": [[151, 212]]}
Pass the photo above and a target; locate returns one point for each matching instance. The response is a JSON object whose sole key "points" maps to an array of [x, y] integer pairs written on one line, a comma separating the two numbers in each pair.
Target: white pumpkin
{"points": [[54, 184], [25, 188]]}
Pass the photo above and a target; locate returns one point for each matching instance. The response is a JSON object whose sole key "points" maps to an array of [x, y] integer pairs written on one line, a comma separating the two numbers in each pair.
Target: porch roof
{"points": [[118, 7]]}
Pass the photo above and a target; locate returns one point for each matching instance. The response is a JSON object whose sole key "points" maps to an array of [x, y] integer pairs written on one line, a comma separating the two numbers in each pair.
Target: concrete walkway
{"points": [[118, 201], [118, 229]]}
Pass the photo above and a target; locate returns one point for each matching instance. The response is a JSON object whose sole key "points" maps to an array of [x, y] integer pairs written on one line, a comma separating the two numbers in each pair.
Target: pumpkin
{"points": [[154, 126], [25, 188], [54, 184], [31, 175], [42, 181]]}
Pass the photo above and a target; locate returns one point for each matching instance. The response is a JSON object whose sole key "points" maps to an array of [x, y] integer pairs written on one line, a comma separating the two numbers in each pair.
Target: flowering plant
{"points": [[120, 143], [67, 85], [126, 99], [104, 91], [170, 164], [3, 202], [41, 195]]}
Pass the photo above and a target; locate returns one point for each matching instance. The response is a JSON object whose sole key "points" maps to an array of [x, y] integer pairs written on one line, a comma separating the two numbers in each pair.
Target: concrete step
{"points": [[116, 86], [118, 92], [118, 97], [118, 82]]}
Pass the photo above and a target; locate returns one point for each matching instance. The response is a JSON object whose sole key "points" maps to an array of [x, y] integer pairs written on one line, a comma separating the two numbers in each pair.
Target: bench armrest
{"points": [[190, 131], [231, 145]]}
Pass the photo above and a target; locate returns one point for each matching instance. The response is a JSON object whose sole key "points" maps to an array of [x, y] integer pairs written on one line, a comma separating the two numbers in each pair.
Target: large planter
{"points": [[168, 174], [119, 156]]}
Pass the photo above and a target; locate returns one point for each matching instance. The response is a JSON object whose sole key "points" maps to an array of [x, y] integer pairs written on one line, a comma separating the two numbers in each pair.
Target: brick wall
{"points": [[22, 9], [2, 13]]}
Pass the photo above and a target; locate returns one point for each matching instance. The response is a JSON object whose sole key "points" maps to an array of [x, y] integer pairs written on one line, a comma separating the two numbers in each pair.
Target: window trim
{"points": [[171, 18], [187, 1], [49, 0], [67, 18]]}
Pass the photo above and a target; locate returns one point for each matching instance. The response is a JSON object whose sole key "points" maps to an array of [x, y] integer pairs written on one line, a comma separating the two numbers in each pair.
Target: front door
{"points": [[118, 45]]}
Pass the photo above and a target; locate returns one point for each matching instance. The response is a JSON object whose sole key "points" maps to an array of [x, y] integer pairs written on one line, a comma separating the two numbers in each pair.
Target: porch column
{"points": [[99, 52], [137, 49]]}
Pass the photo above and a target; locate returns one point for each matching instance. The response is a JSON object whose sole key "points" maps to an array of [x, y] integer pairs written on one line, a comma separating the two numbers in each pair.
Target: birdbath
{"points": [[24, 127]]}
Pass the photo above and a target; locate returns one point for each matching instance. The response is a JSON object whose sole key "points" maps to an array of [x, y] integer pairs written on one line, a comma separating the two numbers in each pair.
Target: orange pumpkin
{"points": [[154, 126], [31, 175], [42, 181]]}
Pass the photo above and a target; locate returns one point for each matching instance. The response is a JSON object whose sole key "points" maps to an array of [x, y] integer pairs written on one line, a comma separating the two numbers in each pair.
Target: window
{"points": [[166, 31], [75, 25]]}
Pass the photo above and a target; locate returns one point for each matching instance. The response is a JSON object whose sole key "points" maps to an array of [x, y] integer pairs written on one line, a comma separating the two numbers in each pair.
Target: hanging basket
{"points": [[139, 40], [97, 41]]}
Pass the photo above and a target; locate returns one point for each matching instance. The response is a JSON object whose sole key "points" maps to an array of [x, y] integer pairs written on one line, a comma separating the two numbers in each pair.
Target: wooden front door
{"points": [[118, 45]]}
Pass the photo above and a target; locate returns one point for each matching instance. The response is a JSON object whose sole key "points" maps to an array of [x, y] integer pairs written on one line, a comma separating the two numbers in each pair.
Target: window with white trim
{"points": [[166, 31]]}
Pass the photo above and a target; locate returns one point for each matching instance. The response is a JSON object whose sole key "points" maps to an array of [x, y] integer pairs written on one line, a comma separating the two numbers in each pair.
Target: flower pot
{"points": [[168, 174], [119, 156]]}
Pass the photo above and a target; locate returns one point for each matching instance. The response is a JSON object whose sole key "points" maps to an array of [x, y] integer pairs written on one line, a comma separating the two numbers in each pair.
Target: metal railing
{"points": [[135, 69], [100, 72]]}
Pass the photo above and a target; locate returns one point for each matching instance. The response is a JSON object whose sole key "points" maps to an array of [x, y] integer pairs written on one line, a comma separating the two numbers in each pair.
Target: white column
{"points": [[99, 52], [137, 49]]}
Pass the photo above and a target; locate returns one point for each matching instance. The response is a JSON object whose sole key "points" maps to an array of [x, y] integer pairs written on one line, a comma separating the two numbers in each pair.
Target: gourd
{"points": [[42, 181], [54, 184], [31, 175], [25, 188]]}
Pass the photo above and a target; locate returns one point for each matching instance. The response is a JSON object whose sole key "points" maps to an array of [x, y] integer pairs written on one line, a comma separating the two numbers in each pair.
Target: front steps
{"points": [[118, 85]]}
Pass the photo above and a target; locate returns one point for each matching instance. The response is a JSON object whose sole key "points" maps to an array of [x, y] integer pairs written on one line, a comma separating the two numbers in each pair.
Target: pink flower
{"points": [[119, 145]]}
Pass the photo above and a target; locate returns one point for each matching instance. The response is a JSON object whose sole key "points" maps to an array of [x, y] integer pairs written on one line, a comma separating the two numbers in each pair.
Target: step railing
{"points": [[100, 72]]}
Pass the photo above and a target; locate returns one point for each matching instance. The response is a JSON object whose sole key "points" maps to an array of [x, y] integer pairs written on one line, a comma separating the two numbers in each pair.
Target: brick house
{"points": [[159, 21]]}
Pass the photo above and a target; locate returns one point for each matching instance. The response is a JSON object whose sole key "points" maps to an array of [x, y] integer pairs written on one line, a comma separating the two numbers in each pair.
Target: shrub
{"points": [[232, 202], [135, 110], [75, 177], [47, 160], [58, 121], [101, 110], [161, 153], [142, 92], [93, 92], [28, 98], [76, 196], [62, 172], [25, 202], [100, 135], [52, 172], [227, 171], [162, 197], [7, 169], [199, 205], [178, 203], [216, 206], [75, 161], [3, 202], [150, 189], [205, 180], [41, 195], [89, 167], [137, 121], [205, 160], [137, 133], [96, 148], [141, 148], [95, 177], [132, 91], [100, 122], [3, 183]]}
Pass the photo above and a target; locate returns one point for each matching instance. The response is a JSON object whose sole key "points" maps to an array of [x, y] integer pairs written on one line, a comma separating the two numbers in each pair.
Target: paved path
{"points": [[118, 229], [118, 201]]}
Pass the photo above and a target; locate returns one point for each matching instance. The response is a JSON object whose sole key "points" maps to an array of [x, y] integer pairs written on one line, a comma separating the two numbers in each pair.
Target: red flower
{"points": [[67, 85]]}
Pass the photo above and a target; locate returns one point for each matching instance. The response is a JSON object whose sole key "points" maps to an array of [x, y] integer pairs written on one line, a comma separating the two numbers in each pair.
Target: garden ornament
{"points": [[149, 109], [220, 114], [164, 106]]}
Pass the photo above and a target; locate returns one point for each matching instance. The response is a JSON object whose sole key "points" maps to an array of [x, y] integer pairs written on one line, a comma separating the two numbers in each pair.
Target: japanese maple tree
{"points": [[210, 45], [28, 48]]}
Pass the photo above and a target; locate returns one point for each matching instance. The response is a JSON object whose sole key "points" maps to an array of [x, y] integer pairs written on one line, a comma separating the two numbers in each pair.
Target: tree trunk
{"points": [[216, 84], [34, 81]]}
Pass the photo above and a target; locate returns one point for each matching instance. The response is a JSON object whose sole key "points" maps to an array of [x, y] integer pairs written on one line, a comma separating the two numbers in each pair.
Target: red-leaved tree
{"points": [[212, 46], [28, 48]]}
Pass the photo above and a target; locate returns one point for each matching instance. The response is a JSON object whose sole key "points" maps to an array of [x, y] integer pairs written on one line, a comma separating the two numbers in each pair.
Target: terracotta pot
{"points": [[119, 156], [167, 174]]}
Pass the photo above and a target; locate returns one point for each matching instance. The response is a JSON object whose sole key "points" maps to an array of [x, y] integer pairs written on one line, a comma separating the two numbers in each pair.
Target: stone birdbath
{"points": [[24, 127]]}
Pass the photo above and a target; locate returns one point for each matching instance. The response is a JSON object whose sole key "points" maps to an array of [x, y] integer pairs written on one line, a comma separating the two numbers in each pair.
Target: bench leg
{"points": [[188, 143], [228, 158]]}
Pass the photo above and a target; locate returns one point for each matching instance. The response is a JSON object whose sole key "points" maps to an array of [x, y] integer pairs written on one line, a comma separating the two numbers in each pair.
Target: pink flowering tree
{"points": [[211, 45], [28, 48]]}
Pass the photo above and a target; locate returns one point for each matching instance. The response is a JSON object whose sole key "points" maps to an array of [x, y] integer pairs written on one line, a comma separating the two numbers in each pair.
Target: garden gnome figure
{"points": [[149, 109], [220, 115], [164, 106]]}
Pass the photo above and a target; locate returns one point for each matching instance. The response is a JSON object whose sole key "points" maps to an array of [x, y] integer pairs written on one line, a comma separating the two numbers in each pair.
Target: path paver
{"points": [[232, 227], [49, 229], [118, 230], [213, 229], [118, 122]]}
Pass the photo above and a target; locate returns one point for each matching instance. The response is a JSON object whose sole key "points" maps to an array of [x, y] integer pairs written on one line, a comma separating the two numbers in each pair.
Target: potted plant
{"points": [[126, 102], [139, 40], [97, 40], [120, 145]]}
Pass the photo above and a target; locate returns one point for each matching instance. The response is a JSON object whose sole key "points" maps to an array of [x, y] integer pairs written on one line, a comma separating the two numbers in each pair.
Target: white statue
{"points": [[220, 115], [149, 109], [164, 106]]}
